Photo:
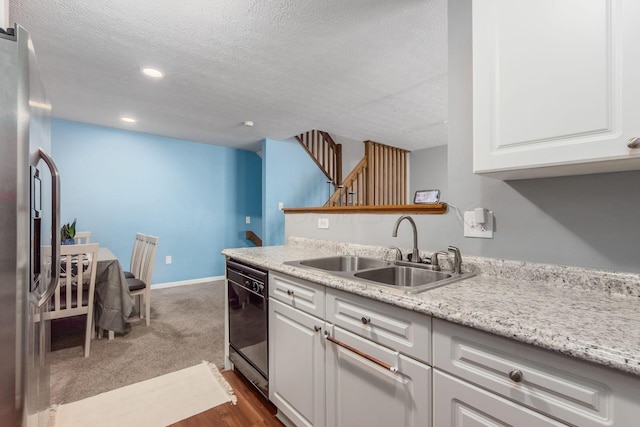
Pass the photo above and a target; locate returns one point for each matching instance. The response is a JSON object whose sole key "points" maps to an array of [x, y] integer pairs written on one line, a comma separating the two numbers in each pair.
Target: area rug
{"points": [[157, 402]]}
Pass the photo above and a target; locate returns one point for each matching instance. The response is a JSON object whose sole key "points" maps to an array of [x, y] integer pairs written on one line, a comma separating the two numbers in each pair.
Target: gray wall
{"points": [[587, 221], [352, 152], [375, 229], [428, 170]]}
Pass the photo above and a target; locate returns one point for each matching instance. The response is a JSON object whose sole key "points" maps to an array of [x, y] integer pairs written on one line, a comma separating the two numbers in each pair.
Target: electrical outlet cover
{"points": [[473, 229], [323, 223]]}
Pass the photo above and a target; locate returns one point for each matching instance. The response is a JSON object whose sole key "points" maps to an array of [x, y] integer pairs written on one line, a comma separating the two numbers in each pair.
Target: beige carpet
{"points": [[157, 402], [187, 327]]}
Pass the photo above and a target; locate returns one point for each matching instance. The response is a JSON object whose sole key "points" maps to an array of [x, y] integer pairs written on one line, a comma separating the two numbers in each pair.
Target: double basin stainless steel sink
{"points": [[409, 277]]}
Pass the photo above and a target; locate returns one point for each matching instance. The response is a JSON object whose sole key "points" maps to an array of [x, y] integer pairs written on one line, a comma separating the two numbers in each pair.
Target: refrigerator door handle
{"points": [[55, 228]]}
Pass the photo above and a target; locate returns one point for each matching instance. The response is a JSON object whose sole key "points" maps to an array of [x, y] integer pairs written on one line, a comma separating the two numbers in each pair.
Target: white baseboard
{"points": [[186, 282]]}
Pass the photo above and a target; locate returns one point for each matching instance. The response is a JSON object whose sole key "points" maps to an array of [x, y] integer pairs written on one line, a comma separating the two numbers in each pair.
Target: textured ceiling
{"points": [[362, 69]]}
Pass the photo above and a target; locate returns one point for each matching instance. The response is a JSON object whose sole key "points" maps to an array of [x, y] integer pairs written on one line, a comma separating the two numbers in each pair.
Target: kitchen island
{"points": [[591, 316]]}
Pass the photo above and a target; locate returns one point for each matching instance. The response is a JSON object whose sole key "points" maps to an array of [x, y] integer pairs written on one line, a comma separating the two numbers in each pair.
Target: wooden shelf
{"points": [[435, 209]]}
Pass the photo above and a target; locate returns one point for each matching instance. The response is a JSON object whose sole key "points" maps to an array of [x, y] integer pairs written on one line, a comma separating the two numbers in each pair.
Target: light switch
{"points": [[280, 205], [248, 220], [167, 259]]}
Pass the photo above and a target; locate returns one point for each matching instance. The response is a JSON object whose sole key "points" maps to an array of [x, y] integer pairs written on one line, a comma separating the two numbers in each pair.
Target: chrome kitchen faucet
{"points": [[415, 254]]}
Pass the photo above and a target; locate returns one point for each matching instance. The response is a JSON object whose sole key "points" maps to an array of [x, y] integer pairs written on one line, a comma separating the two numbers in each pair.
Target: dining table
{"points": [[113, 302]]}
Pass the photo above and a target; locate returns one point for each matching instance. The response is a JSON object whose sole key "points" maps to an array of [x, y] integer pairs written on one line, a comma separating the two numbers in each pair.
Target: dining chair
{"points": [[140, 285], [136, 257], [75, 291], [82, 237]]}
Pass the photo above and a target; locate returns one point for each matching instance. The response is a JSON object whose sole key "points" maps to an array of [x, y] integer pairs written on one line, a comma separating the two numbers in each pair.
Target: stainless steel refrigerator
{"points": [[29, 212]]}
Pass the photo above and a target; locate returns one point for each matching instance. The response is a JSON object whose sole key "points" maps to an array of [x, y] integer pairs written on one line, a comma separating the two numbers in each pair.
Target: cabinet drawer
{"points": [[565, 388], [403, 330], [298, 293], [458, 403]]}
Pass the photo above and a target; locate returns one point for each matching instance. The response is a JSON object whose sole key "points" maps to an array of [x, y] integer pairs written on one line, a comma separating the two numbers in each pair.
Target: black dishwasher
{"points": [[248, 322]]}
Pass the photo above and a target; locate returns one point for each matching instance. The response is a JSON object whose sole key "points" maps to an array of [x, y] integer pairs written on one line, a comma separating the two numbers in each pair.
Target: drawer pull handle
{"points": [[317, 328], [386, 366], [289, 292], [515, 375], [633, 142], [365, 320]]}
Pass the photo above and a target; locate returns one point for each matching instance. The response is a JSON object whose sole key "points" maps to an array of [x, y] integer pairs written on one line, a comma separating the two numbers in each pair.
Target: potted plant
{"points": [[67, 233]]}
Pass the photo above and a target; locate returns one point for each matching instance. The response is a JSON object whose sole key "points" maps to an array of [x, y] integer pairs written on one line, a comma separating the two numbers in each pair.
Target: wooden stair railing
{"points": [[387, 174], [250, 235], [325, 152], [379, 179], [356, 183]]}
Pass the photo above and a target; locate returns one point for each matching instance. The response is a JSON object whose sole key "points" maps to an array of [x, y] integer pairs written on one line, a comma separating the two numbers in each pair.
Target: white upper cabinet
{"points": [[556, 87]]}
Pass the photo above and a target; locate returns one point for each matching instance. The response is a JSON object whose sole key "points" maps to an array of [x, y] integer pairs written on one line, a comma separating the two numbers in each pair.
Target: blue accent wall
{"points": [[193, 196], [290, 176]]}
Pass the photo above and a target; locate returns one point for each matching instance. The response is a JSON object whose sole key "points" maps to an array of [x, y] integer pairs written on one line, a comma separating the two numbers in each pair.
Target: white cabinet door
{"points": [[362, 393], [457, 403], [296, 364], [556, 87]]}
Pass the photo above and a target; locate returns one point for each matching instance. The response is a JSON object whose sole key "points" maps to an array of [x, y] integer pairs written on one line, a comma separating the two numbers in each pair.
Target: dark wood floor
{"points": [[252, 409]]}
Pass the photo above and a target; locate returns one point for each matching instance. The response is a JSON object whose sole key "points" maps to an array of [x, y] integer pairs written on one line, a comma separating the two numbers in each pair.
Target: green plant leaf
{"points": [[72, 229], [68, 231]]}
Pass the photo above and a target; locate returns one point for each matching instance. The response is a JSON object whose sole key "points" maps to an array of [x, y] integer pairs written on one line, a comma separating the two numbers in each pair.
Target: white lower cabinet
{"points": [[342, 369], [296, 364], [323, 375], [457, 403], [499, 375], [361, 392]]}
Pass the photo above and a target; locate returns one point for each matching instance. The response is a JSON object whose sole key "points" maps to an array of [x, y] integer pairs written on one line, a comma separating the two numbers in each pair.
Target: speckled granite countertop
{"points": [[591, 315]]}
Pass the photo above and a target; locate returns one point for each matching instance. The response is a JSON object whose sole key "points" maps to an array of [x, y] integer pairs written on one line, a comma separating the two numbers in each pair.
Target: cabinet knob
{"points": [[515, 375], [317, 328], [633, 142], [365, 320], [289, 292]]}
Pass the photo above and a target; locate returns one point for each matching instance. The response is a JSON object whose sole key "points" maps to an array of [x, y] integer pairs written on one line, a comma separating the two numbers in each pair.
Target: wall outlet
{"points": [[167, 259], [323, 222], [472, 228], [248, 220]]}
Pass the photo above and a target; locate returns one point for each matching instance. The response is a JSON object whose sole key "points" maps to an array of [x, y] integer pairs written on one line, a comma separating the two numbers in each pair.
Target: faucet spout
{"points": [[398, 252], [415, 254]]}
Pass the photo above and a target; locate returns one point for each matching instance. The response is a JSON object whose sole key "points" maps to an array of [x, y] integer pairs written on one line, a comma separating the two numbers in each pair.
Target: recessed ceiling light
{"points": [[248, 123], [152, 72], [128, 119], [42, 105]]}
